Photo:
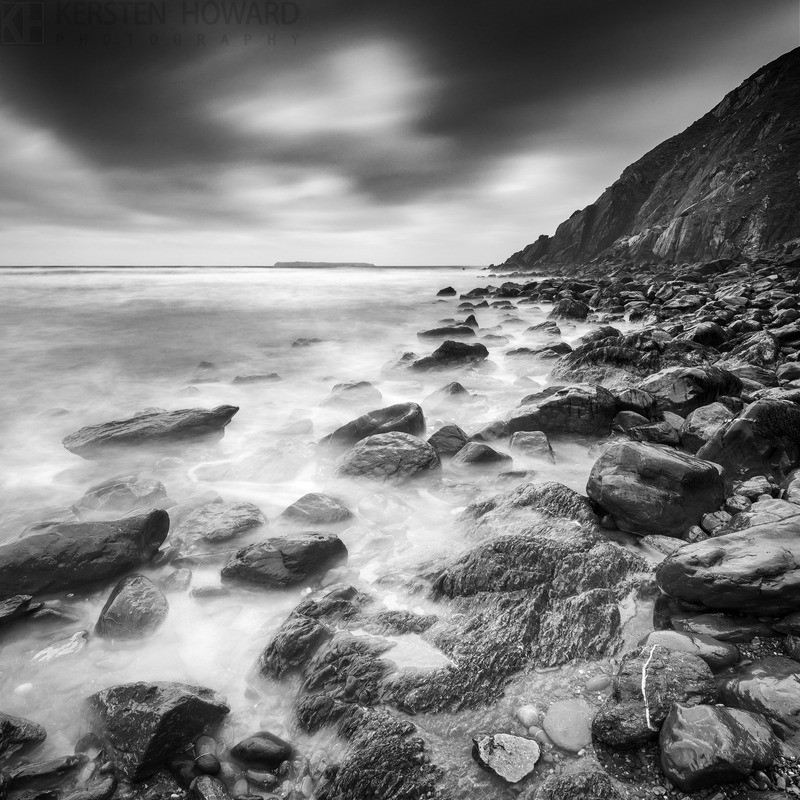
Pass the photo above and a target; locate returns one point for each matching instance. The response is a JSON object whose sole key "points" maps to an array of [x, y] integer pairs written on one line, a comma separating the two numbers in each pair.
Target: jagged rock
{"points": [[18, 733], [533, 444], [283, 561], [317, 509], [477, 455], [717, 654], [763, 440], [768, 686], [568, 723], [450, 355], [589, 785], [401, 417], [134, 609], [448, 440], [388, 457], [756, 570], [215, 523], [684, 389], [354, 392], [121, 495], [146, 724], [583, 410], [702, 424], [262, 749], [292, 646], [150, 429], [706, 745], [651, 489], [509, 757], [70, 555]]}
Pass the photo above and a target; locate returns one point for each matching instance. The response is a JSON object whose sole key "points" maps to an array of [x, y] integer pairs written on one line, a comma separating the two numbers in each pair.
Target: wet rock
{"points": [[388, 457], [135, 608], [70, 555], [583, 410], [768, 686], [588, 785], [17, 607], [352, 393], [146, 724], [446, 332], [317, 509], [284, 561], [155, 428], [509, 757], [475, 455], [659, 677], [723, 627], [702, 424], [568, 723], [533, 444], [262, 749], [402, 417], [452, 354], [707, 745], [448, 440], [624, 725], [753, 488], [763, 440], [295, 642], [683, 389], [756, 570], [43, 774], [215, 523], [650, 489], [121, 495], [717, 654], [626, 421], [656, 433], [18, 733]]}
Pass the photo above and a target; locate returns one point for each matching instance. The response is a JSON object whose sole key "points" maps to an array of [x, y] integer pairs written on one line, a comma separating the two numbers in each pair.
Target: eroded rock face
{"points": [[401, 417], [684, 389], [652, 489], [763, 440], [705, 745], [150, 429], [146, 724], [388, 457], [756, 570], [285, 560], [582, 410], [70, 555], [768, 686], [135, 608]]}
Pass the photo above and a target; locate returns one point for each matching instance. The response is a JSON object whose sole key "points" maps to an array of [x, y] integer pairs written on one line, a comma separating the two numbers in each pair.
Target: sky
{"points": [[244, 132]]}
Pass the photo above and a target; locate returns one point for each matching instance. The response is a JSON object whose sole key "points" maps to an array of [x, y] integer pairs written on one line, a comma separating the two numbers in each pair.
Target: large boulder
{"points": [[145, 724], [653, 489], [70, 555], [768, 686], [388, 457], [584, 410], [763, 440], [756, 570], [683, 389], [706, 745], [121, 495], [283, 561], [135, 608], [152, 428], [317, 509], [451, 354], [402, 417]]}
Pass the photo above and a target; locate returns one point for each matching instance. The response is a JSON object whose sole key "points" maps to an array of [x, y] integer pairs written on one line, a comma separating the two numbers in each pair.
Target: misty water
{"points": [[82, 346]]}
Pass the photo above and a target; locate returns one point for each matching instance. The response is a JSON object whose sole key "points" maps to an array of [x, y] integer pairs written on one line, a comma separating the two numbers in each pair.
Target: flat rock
{"points": [[388, 457], [153, 428], [509, 757], [135, 608]]}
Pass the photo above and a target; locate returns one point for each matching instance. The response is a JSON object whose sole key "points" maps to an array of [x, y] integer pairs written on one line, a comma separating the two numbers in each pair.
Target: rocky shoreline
{"points": [[638, 640]]}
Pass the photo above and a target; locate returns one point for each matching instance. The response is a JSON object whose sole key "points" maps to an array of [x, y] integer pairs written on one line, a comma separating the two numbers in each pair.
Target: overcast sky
{"points": [[390, 131]]}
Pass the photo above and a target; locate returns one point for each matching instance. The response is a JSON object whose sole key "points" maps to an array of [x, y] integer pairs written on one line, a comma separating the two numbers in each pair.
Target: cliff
{"points": [[725, 187]]}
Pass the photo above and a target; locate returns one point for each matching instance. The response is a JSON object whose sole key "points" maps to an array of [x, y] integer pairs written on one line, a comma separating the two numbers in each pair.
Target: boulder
{"points": [[135, 608], [401, 417], [763, 440], [717, 654], [756, 570], [448, 440], [121, 495], [215, 523], [263, 750], [317, 509], [768, 686], [582, 410], [451, 354], [18, 733], [652, 489], [511, 758], [683, 389], [144, 725], [284, 561], [448, 291], [70, 555], [533, 444], [155, 428], [388, 457], [702, 424], [475, 455], [707, 745], [353, 393]]}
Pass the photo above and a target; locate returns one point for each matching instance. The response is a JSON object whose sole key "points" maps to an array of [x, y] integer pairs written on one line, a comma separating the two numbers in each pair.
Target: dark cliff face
{"points": [[727, 186]]}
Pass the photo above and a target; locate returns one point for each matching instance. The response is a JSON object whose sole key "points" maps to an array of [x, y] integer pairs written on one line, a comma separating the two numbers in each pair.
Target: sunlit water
{"points": [[86, 346]]}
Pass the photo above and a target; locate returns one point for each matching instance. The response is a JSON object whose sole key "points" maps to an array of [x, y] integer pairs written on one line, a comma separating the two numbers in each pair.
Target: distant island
{"points": [[321, 264]]}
